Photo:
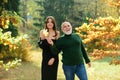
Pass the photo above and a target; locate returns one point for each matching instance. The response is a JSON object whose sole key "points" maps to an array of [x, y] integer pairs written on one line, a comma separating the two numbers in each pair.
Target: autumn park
{"points": [[97, 22]]}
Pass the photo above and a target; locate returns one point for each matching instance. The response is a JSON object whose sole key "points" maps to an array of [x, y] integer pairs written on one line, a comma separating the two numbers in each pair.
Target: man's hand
{"points": [[89, 64], [50, 41]]}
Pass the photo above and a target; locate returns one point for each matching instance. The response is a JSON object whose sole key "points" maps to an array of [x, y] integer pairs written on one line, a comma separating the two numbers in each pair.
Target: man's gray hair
{"points": [[66, 22]]}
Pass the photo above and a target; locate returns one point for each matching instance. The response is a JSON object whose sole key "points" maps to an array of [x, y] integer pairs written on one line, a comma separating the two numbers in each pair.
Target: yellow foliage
{"points": [[6, 17], [101, 34]]}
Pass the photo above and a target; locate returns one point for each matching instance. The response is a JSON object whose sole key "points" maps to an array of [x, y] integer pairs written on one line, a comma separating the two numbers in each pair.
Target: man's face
{"points": [[67, 28]]}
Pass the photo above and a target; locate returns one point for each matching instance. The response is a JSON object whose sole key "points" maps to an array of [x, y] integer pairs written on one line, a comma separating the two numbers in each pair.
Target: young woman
{"points": [[49, 61]]}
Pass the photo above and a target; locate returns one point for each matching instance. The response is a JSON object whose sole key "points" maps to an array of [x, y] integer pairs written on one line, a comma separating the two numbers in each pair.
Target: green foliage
{"points": [[12, 43], [32, 24], [10, 64], [13, 29], [74, 11], [12, 47], [60, 9], [12, 5]]}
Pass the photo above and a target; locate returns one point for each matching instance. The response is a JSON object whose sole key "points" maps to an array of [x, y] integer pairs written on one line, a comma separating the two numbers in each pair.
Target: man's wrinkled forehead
{"points": [[65, 24]]}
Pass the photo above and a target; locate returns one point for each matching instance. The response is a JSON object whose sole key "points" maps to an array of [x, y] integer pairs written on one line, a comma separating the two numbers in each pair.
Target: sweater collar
{"points": [[68, 35]]}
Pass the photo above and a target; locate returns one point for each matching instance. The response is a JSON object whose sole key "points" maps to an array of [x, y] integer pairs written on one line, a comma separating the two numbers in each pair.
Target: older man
{"points": [[73, 55]]}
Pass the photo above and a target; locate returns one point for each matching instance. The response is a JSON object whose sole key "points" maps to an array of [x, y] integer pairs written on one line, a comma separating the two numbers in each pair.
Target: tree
{"points": [[116, 3], [60, 9], [11, 5], [9, 38], [102, 38]]}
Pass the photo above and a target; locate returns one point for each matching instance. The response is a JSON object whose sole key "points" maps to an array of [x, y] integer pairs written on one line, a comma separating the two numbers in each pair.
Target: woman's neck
{"points": [[50, 29], [51, 33]]}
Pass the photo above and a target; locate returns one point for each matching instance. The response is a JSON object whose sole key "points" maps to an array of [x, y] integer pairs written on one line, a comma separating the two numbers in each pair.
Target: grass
{"points": [[104, 71], [100, 70]]}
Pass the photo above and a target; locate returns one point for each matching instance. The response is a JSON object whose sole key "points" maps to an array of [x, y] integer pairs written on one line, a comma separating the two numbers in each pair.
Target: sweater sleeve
{"points": [[87, 60], [56, 48]]}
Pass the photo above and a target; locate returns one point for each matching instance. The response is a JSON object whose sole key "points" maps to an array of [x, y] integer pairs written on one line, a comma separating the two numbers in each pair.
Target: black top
{"points": [[48, 72], [47, 54]]}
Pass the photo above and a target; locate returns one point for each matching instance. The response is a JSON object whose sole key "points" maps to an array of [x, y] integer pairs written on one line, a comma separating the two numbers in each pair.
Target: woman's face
{"points": [[50, 24]]}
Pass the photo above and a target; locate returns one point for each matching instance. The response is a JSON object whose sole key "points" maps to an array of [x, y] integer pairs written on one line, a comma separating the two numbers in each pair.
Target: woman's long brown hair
{"points": [[54, 23]]}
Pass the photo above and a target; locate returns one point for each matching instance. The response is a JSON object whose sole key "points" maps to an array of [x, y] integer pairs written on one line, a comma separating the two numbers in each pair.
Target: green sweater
{"points": [[72, 48]]}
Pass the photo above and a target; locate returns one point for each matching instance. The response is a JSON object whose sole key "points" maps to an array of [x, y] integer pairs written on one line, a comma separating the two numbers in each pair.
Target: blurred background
{"points": [[96, 21]]}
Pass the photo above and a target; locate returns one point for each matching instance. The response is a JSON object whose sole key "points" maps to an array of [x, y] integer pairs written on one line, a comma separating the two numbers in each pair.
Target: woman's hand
{"points": [[50, 41], [43, 34], [51, 61]]}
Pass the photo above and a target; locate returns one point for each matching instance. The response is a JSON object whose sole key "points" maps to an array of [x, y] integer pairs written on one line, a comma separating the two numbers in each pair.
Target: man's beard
{"points": [[67, 32]]}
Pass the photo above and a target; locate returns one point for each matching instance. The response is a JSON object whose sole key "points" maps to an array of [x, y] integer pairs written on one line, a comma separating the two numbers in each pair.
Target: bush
{"points": [[102, 37]]}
